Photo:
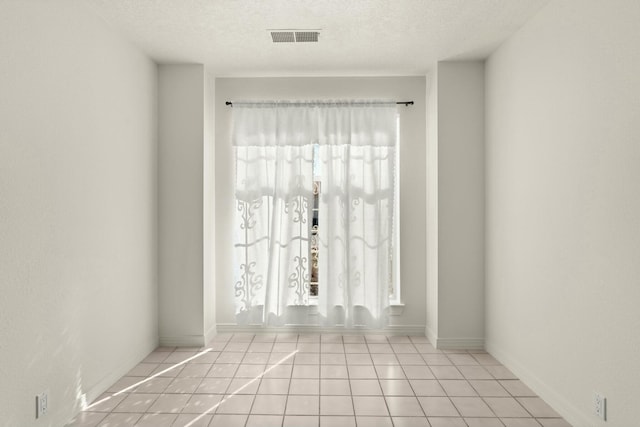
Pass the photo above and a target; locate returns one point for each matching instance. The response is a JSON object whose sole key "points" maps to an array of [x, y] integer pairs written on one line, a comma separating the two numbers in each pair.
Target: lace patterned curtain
{"points": [[274, 147]]}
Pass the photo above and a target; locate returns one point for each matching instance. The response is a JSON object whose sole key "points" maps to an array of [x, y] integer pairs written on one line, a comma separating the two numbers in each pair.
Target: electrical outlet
{"points": [[42, 404], [600, 405]]}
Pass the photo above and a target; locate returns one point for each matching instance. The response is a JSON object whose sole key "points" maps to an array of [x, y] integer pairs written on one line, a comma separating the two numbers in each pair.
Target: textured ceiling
{"points": [[358, 37]]}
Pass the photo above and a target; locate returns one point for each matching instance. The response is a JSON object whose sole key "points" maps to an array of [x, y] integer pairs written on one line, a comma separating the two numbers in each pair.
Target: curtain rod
{"points": [[405, 103]]}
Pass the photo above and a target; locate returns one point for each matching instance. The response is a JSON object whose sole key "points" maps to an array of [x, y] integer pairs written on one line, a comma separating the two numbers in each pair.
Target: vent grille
{"points": [[293, 36], [306, 36], [282, 36]]}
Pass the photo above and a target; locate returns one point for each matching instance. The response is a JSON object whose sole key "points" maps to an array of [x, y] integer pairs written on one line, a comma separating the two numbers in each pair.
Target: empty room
{"points": [[355, 213]]}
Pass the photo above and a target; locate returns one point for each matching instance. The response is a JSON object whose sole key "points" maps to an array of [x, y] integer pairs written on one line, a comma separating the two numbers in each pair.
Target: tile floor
{"points": [[290, 380]]}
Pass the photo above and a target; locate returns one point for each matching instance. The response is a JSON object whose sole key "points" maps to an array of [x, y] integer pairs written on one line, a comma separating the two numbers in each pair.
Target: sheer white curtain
{"points": [[274, 190], [274, 195], [357, 152]]}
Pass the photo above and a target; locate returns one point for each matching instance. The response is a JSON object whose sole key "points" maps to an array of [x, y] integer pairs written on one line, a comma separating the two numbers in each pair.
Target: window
{"points": [[315, 222], [314, 256], [394, 258]]}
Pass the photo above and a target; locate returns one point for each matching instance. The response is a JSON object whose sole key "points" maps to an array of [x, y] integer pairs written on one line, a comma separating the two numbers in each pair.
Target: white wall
{"points": [[431, 220], [185, 147], [563, 212], [412, 175], [209, 209], [455, 200], [460, 204], [78, 295]]}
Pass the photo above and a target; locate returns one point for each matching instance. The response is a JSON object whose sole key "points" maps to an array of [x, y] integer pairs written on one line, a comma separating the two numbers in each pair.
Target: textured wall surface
{"points": [[563, 213], [78, 295], [181, 92], [460, 204]]}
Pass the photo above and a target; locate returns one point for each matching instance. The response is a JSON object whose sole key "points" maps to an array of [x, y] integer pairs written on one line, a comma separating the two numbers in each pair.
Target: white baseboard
{"points": [[189, 340], [431, 335], [106, 382], [453, 343], [459, 343], [412, 330], [210, 334], [558, 402], [184, 340], [110, 379]]}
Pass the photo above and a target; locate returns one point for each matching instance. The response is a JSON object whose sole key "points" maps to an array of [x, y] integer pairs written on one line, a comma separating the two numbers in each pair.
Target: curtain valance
{"points": [[297, 123]]}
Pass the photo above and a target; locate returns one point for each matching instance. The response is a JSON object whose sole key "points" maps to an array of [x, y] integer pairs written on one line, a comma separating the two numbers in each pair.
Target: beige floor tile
{"points": [[119, 420], [458, 388], [474, 372], [336, 405], [370, 406], [301, 421], [274, 386], [244, 386], [334, 372], [483, 422], [538, 407], [374, 422], [360, 372], [264, 421], [520, 422], [306, 371], [337, 421], [403, 406], [553, 422], [202, 404], [393, 372], [489, 388], [169, 403], [269, 404], [192, 420], [236, 404], [517, 388], [136, 402], [87, 419], [228, 420], [427, 388], [330, 387], [365, 387], [303, 405], [410, 359], [156, 420], [213, 385], [414, 372], [472, 407], [250, 371], [313, 380], [183, 385], [506, 407], [410, 422], [396, 388], [447, 422], [446, 373], [435, 406], [499, 372], [304, 386]]}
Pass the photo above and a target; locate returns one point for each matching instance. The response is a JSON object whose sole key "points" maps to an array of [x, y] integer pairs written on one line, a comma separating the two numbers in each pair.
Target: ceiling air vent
{"points": [[294, 36], [283, 36], [306, 36]]}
